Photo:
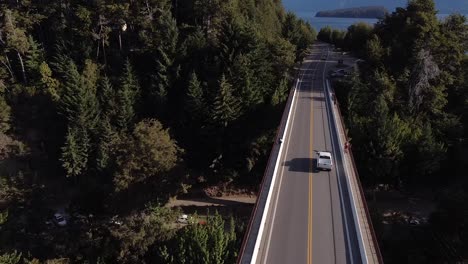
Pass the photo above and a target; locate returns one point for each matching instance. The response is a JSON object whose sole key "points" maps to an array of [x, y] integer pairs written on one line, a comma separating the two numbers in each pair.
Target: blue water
{"points": [[334, 22], [339, 23]]}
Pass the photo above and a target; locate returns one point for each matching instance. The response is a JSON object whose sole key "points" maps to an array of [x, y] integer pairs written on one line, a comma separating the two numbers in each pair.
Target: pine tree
{"points": [[163, 77], [75, 151], [34, 59], [195, 104], [70, 103], [79, 105], [78, 102], [226, 106], [243, 76], [107, 98], [107, 137], [127, 98], [280, 94], [161, 81]]}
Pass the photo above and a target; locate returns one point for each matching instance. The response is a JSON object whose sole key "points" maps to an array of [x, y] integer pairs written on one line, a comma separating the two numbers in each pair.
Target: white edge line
{"points": [[350, 191], [327, 103], [267, 204], [294, 107]]}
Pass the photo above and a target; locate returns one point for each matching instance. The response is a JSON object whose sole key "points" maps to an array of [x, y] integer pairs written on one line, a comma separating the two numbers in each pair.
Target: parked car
{"points": [[324, 161], [59, 219], [115, 221], [183, 219]]}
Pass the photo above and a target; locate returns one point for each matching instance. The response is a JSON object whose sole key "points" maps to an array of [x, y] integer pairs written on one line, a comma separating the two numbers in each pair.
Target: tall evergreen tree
{"points": [[78, 102], [195, 102], [75, 152], [163, 77], [107, 97], [226, 106], [107, 137], [128, 95]]}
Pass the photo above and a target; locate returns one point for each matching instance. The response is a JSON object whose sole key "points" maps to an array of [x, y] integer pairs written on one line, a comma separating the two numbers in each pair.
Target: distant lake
{"points": [[339, 23]]}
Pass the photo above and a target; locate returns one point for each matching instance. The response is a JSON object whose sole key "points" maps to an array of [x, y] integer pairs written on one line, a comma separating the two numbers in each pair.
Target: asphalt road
{"points": [[310, 219]]}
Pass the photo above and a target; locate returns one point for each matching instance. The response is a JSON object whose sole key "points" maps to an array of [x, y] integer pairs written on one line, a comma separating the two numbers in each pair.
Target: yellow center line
{"points": [[309, 240]]}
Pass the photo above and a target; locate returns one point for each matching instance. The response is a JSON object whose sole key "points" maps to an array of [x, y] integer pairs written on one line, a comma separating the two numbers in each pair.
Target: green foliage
{"points": [[50, 85], [280, 94], [127, 97], [78, 102], [299, 33], [407, 81], [161, 154], [11, 258], [195, 102], [374, 52], [107, 137], [79, 105], [210, 242], [357, 36], [3, 217], [81, 84], [140, 231], [338, 37], [325, 34], [5, 113], [75, 152], [226, 106]]}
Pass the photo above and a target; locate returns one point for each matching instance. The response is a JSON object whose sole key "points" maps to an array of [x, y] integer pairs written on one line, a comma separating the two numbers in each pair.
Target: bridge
{"points": [[304, 215]]}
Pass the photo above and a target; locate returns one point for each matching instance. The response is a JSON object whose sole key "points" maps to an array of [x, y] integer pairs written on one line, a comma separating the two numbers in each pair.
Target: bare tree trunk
{"points": [[104, 51], [97, 52], [22, 67], [8, 66], [120, 40]]}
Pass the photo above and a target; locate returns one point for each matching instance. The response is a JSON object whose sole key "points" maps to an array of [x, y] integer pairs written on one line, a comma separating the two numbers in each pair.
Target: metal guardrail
{"points": [[361, 191], [250, 236]]}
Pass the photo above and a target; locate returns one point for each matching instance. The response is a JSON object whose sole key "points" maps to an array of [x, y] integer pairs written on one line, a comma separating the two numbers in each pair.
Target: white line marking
{"points": [[353, 207], [337, 171], [267, 248], [273, 181]]}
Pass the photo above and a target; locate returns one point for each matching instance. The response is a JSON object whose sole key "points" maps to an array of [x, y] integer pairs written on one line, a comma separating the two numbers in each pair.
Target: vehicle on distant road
{"points": [[324, 161], [339, 73]]}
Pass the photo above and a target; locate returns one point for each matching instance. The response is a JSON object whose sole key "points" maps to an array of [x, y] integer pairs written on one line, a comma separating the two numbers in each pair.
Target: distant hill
{"points": [[356, 12], [444, 6]]}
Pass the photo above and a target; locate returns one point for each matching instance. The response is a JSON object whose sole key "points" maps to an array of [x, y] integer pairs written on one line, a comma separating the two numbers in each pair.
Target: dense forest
{"points": [[414, 81], [112, 107], [359, 12]]}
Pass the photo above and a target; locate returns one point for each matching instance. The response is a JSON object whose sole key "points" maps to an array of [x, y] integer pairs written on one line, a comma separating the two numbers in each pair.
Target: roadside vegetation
{"points": [[407, 114], [108, 109]]}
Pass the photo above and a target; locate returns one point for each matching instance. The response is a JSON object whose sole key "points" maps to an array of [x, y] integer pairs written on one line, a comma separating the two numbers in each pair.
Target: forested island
{"points": [[407, 114], [111, 110], [356, 12]]}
